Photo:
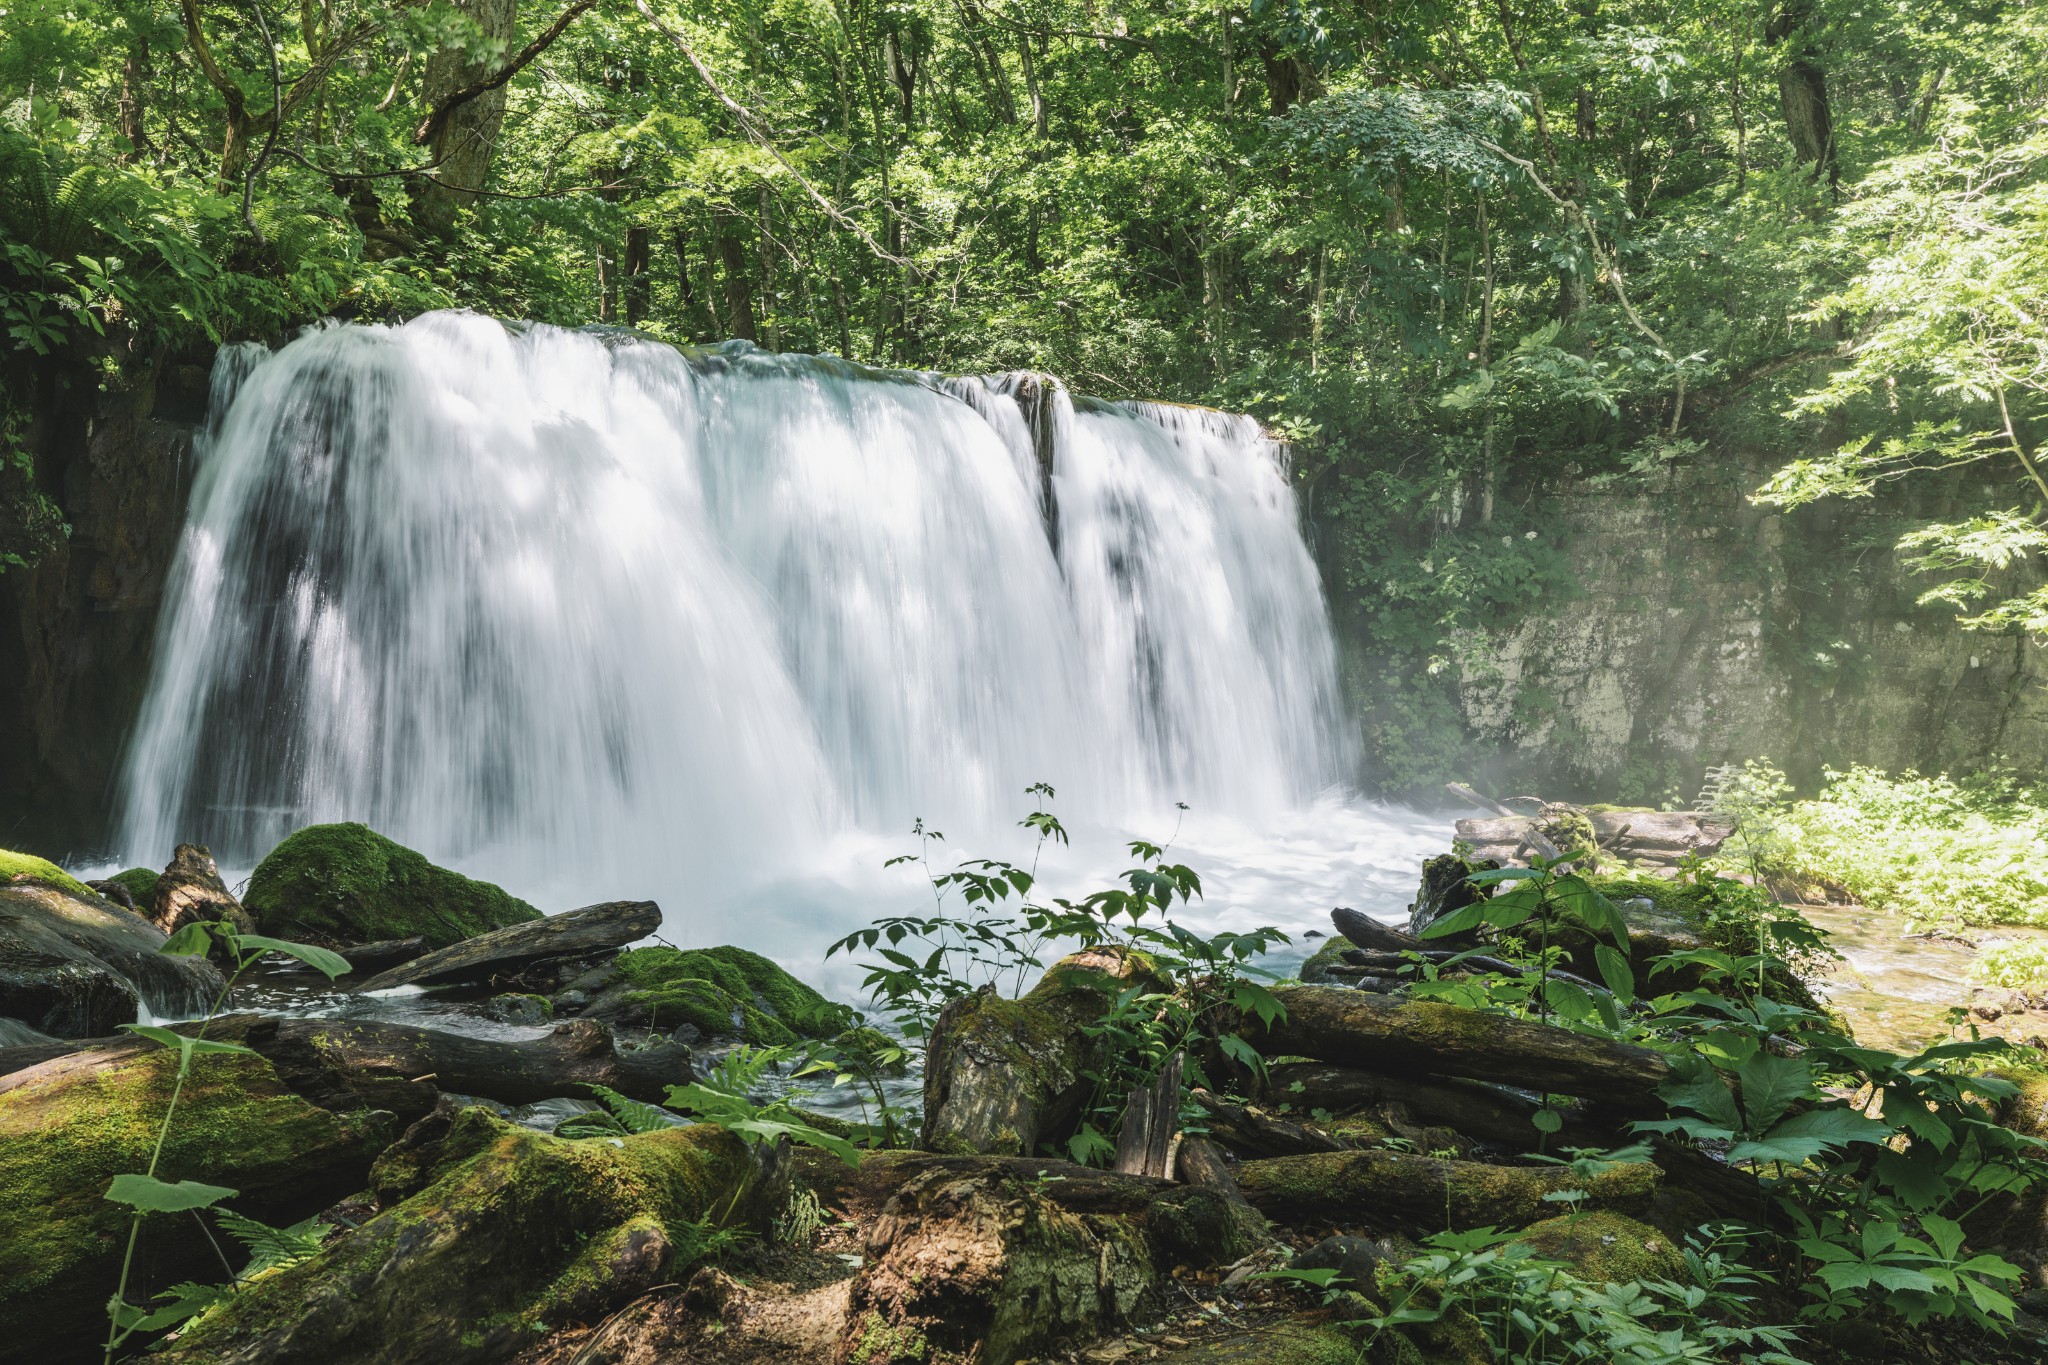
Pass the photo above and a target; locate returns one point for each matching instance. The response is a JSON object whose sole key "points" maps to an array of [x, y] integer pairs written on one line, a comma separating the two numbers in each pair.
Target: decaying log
{"points": [[1003, 1076], [1401, 1191], [1371, 963], [1532, 837], [1151, 1122], [1446, 886], [1498, 1117], [998, 1260], [1202, 1163], [1251, 1133], [348, 1065], [513, 1231], [502, 952], [367, 958], [1423, 1037]]}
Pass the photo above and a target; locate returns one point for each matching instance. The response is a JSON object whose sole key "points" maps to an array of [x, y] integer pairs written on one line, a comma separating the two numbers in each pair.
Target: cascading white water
{"points": [[592, 616]]}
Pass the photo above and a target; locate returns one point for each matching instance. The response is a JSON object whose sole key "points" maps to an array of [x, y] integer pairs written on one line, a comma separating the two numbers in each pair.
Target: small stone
{"points": [[1986, 1012], [528, 1010]]}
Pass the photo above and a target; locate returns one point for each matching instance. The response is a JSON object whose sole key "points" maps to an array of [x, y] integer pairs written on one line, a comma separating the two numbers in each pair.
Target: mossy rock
{"points": [[347, 884], [1330, 953], [510, 1232], [74, 1123], [1605, 1247], [723, 992], [27, 867], [141, 884]]}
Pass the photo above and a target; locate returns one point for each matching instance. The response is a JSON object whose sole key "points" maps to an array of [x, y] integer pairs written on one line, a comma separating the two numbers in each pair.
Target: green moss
{"points": [[1329, 954], [16, 867], [728, 992], [141, 884], [515, 1231], [64, 1138], [879, 1343], [349, 884], [1605, 1247]]}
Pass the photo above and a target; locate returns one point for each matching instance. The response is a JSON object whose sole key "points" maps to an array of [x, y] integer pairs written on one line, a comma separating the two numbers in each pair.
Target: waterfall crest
{"points": [[518, 596]]}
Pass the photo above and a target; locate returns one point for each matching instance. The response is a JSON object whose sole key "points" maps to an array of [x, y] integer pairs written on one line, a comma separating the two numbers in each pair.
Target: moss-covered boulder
{"points": [[510, 1232], [140, 883], [346, 884], [1328, 954], [27, 867], [720, 993], [69, 1126]]}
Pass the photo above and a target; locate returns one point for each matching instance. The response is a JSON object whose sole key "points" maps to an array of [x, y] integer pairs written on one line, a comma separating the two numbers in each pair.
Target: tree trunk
{"points": [[131, 112], [1803, 87], [464, 146], [638, 286], [739, 291]]}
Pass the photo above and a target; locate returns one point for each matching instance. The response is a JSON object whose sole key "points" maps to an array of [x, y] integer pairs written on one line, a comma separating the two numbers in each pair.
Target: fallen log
{"points": [[1492, 1115], [504, 952], [348, 1065], [1250, 1133], [1399, 1191], [1423, 1037], [1368, 933]]}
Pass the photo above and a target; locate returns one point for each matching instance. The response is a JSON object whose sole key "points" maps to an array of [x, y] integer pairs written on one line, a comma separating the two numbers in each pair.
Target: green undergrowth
{"points": [[727, 992], [1933, 849], [348, 884], [15, 867]]}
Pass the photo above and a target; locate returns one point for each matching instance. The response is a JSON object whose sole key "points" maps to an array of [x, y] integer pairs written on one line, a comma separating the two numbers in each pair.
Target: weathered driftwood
{"points": [[1366, 963], [72, 1123], [1151, 1122], [1252, 1133], [1659, 838], [365, 959], [1422, 1037], [504, 952], [1366, 932], [1531, 839], [1488, 1113], [511, 1231], [1003, 1076], [998, 1260], [1401, 1191]]}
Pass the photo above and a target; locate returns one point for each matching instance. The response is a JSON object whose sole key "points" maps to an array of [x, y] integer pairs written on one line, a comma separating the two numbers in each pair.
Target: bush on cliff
{"points": [[349, 884]]}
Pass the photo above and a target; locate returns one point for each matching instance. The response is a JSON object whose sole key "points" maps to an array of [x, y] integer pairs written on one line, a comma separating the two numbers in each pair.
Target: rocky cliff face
{"points": [[112, 441], [1709, 630]]}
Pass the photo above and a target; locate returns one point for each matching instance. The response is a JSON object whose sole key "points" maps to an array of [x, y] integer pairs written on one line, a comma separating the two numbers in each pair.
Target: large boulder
{"points": [[68, 1126], [75, 965], [346, 884], [498, 1232], [712, 993], [27, 867], [191, 891], [505, 954]]}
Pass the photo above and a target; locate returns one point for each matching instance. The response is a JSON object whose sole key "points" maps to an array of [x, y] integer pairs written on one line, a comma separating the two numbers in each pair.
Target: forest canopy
{"points": [[1460, 253]]}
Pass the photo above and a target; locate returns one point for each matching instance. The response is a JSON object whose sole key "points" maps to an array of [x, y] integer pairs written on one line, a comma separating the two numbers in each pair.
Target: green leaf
{"points": [[191, 941], [149, 1195], [186, 1045], [1615, 971], [1770, 1085], [1456, 922], [333, 964], [1695, 1085], [1547, 1120]]}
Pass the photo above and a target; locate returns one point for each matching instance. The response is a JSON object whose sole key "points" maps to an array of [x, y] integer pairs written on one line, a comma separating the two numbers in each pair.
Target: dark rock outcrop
{"points": [[190, 891], [75, 965]]}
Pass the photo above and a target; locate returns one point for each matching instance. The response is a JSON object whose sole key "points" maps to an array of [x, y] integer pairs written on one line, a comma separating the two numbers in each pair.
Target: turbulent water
{"points": [[592, 616]]}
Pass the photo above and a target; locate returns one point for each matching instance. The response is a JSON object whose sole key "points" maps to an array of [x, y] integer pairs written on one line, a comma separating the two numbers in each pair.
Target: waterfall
{"points": [[531, 600]]}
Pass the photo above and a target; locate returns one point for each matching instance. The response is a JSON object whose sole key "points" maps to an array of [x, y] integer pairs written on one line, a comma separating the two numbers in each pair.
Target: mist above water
{"points": [[592, 617]]}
